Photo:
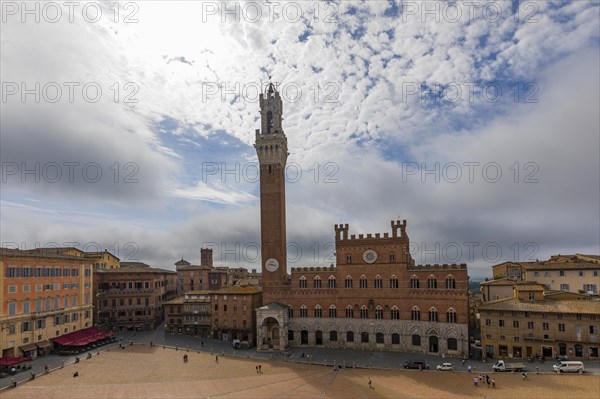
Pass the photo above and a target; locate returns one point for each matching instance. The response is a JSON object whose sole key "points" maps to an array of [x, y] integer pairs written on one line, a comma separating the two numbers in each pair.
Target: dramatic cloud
{"points": [[135, 132]]}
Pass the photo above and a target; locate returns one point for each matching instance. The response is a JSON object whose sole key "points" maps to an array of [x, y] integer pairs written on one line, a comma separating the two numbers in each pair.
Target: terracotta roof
{"points": [[176, 301], [530, 287], [561, 266], [193, 267], [135, 267], [40, 253], [565, 306], [229, 290], [506, 281]]}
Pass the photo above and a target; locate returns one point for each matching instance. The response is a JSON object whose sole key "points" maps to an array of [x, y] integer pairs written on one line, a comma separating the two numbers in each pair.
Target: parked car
{"points": [[568, 367], [445, 367], [416, 364], [500, 365]]}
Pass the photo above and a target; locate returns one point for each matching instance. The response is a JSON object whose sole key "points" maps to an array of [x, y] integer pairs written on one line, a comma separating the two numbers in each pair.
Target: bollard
{"points": [[537, 370]]}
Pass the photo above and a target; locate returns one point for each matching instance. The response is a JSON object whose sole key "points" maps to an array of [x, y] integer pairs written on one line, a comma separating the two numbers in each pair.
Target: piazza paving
{"points": [[141, 371]]}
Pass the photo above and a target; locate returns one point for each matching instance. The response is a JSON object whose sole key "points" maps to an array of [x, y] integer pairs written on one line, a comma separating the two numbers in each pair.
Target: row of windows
{"points": [[235, 308], [544, 315], [377, 283], [12, 289], [363, 313], [15, 271], [392, 258], [531, 325], [137, 285], [138, 301], [45, 305], [41, 323], [365, 336], [563, 273]]}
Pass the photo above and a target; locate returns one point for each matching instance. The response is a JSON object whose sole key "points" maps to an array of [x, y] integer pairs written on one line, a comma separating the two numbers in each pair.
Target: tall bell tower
{"points": [[271, 147]]}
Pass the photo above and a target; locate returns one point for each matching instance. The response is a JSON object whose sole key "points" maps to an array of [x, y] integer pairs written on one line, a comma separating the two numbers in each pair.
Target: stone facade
{"points": [[225, 314], [132, 296], [575, 273], [534, 323], [375, 297]]}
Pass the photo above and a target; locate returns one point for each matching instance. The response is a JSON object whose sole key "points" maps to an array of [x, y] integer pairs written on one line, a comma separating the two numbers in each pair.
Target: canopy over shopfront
{"points": [[82, 337], [11, 361]]}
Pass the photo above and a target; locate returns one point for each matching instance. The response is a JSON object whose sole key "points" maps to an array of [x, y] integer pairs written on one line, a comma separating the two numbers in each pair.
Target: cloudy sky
{"points": [[130, 126]]}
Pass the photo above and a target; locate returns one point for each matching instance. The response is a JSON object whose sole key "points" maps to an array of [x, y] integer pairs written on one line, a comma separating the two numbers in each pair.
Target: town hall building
{"points": [[375, 297]]}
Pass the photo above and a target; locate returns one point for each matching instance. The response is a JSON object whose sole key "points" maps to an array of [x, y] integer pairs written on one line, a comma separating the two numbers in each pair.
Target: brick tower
{"points": [[271, 147]]}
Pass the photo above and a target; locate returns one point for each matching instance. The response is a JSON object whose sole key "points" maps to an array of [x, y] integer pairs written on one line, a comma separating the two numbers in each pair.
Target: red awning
{"points": [[81, 337], [11, 361], [63, 340]]}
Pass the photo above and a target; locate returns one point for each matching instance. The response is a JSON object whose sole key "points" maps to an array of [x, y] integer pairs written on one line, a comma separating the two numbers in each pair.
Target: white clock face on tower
{"points": [[272, 264], [369, 256]]}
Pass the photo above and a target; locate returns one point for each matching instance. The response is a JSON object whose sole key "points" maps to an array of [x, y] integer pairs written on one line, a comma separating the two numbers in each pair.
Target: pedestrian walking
{"points": [[256, 369], [475, 381], [493, 383], [217, 359], [370, 383], [45, 368], [524, 374], [469, 368], [259, 369], [463, 362]]}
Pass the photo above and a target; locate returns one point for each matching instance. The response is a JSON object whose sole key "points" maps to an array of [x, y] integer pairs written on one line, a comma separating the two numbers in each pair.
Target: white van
{"points": [[568, 367]]}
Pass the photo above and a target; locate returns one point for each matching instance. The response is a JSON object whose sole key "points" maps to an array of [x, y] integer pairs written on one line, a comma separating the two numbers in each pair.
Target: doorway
{"points": [[433, 344]]}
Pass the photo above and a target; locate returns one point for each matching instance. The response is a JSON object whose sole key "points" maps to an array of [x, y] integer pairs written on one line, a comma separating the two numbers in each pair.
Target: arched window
{"points": [[379, 338], [331, 282], [431, 282], [395, 313], [395, 339], [392, 257], [415, 314], [433, 314], [452, 344], [318, 311], [363, 282], [394, 282], [350, 336], [332, 312], [364, 312], [450, 283], [349, 312], [364, 337], [290, 311], [303, 311], [379, 312], [378, 282], [348, 282], [317, 282], [414, 282], [451, 316], [333, 336], [302, 282], [416, 340]]}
